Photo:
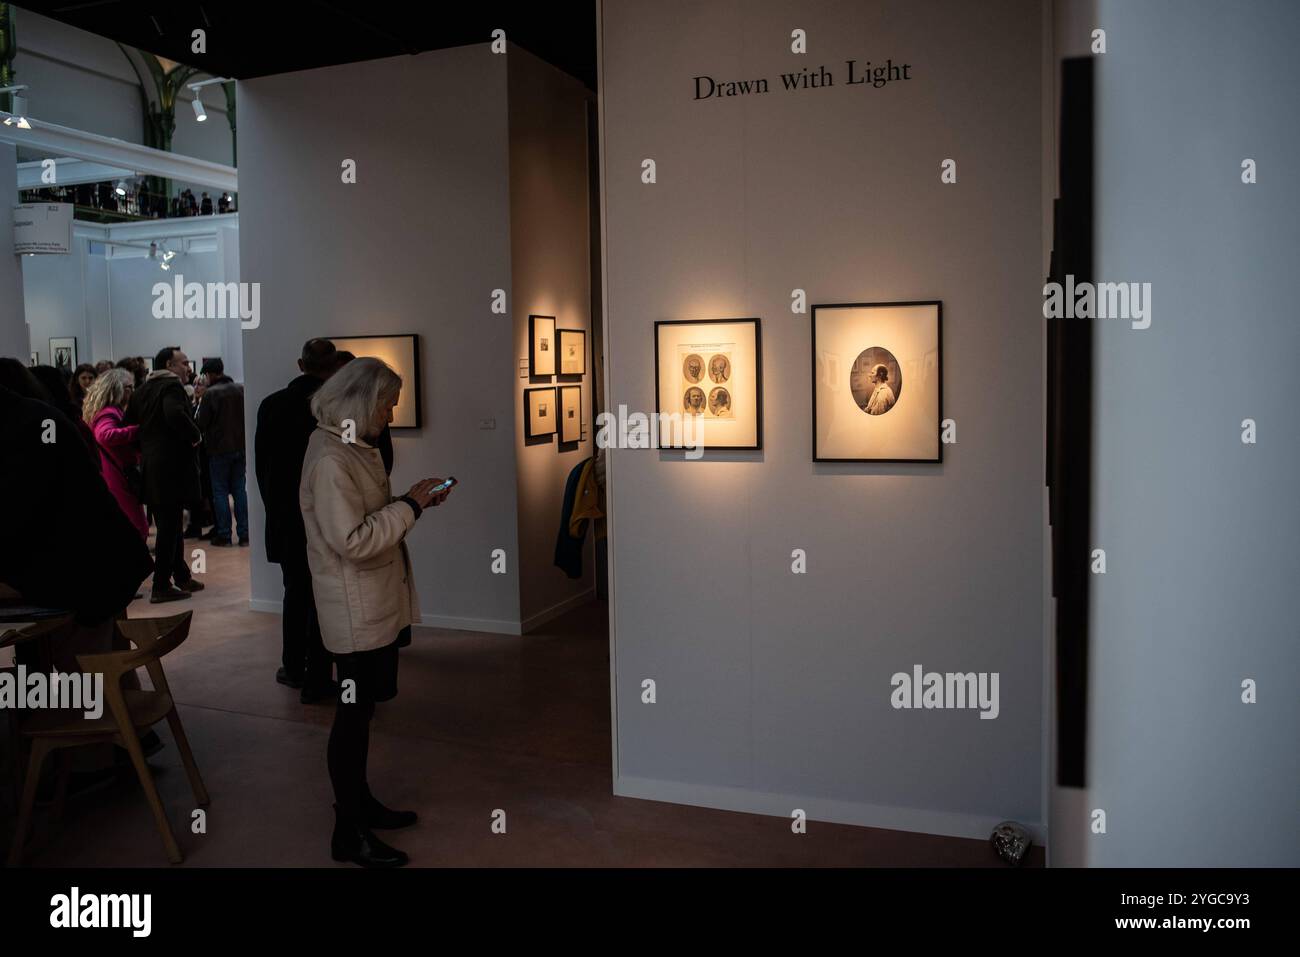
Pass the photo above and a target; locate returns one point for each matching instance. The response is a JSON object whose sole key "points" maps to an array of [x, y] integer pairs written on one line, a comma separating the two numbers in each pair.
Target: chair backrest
{"points": [[152, 638]]}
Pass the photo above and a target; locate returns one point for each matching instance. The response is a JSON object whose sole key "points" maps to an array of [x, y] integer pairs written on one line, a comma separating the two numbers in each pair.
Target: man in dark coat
{"points": [[220, 418], [284, 426], [168, 437]]}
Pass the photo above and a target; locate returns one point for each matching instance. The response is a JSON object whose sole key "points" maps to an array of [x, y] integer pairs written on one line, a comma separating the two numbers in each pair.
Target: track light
{"points": [[199, 113], [120, 189], [18, 102], [167, 256]]}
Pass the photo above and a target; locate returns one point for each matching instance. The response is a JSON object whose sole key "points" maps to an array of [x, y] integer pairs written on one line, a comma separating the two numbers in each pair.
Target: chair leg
{"points": [[187, 757], [39, 750], [132, 744]]}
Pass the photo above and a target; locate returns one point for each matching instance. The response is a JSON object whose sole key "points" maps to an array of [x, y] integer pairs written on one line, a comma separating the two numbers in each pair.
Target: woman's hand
{"points": [[423, 495]]}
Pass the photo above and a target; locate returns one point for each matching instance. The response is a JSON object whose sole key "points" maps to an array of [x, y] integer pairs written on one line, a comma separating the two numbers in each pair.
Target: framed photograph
{"points": [[709, 383], [541, 345], [63, 353], [877, 385], [570, 413], [539, 412], [573, 351], [402, 353], [194, 369], [36, 359]]}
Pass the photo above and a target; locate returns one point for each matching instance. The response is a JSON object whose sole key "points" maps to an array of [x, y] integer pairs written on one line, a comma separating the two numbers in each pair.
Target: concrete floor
{"points": [[481, 722]]}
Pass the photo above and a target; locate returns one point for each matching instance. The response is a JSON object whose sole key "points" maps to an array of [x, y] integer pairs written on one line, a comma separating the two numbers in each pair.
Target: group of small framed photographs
{"points": [[555, 409], [877, 384]]}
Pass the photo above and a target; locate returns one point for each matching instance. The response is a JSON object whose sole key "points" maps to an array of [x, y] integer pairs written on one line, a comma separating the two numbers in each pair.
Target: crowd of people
{"points": [[148, 445]]}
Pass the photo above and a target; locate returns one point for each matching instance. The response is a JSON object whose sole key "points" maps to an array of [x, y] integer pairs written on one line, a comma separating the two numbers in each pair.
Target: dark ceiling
{"points": [[256, 39]]}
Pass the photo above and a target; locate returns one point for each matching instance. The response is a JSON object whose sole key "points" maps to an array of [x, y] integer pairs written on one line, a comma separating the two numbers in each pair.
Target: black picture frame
{"points": [[938, 424], [758, 376], [410, 378], [577, 425], [538, 323], [530, 397], [64, 342], [560, 336]]}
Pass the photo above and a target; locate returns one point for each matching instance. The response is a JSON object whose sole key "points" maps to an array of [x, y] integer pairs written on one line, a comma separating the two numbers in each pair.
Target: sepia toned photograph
{"points": [[539, 412], [693, 368], [719, 368], [694, 401], [573, 351], [877, 382], [541, 335], [709, 373]]}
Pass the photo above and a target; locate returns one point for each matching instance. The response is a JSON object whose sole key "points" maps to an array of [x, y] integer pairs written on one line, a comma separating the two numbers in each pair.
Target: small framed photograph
{"points": [[573, 351], [402, 354], [63, 353], [709, 383], [877, 390], [539, 412], [541, 345], [36, 359], [570, 413]]}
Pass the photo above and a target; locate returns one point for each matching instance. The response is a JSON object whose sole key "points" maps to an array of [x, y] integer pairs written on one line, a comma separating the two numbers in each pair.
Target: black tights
{"points": [[349, 747]]}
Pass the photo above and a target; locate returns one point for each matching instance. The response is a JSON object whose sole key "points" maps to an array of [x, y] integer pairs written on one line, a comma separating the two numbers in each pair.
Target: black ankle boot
{"points": [[385, 819], [357, 844]]}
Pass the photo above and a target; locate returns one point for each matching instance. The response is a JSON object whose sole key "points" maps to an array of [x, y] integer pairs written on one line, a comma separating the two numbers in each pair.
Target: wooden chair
{"points": [[129, 711]]}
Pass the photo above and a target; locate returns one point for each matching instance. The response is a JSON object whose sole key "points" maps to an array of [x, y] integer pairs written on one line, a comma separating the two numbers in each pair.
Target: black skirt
{"points": [[374, 673]]}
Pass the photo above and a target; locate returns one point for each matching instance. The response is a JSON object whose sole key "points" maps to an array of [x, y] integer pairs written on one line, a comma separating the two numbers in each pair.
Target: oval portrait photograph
{"points": [[720, 401], [693, 400], [719, 368], [876, 380], [693, 368]]}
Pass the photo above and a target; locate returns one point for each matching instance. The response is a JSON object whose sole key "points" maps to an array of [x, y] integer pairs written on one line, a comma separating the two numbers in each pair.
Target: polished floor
{"points": [[482, 722]]}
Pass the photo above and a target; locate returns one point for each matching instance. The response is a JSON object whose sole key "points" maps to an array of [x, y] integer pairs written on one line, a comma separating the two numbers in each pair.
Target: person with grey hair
{"points": [[362, 582]]}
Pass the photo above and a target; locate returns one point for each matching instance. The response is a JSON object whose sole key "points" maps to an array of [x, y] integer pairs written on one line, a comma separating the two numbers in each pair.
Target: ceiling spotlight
{"points": [[120, 189], [167, 256], [18, 121], [153, 250], [165, 266], [199, 114]]}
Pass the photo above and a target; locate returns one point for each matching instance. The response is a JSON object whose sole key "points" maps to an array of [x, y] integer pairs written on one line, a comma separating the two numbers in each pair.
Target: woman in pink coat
{"points": [[119, 446]]}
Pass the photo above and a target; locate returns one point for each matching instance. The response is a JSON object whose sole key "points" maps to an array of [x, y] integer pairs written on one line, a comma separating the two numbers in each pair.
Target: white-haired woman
{"points": [[362, 582], [119, 445]]}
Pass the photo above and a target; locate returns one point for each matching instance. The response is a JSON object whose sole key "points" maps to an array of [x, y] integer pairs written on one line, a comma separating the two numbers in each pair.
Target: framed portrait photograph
{"points": [[402, 354], [63, 353], [709, 383], [573, 351], [570, 413], [541, 345], [539, 412], [877, 376]]}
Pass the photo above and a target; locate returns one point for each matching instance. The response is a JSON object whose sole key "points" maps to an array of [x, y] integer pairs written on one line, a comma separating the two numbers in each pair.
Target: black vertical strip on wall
{"points": [[1069, 421]]}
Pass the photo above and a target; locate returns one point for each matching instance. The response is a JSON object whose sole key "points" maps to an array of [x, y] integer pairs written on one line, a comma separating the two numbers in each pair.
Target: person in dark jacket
{"points": [[168, 436], [56, 383], [53, 494], [221, 420], [284, 426]]}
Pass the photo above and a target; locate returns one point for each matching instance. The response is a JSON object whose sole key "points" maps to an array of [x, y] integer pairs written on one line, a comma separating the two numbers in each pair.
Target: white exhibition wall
{"points": [[417, 244], [1200, 528], [107, 303], [550, 276], [773, 688]]}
